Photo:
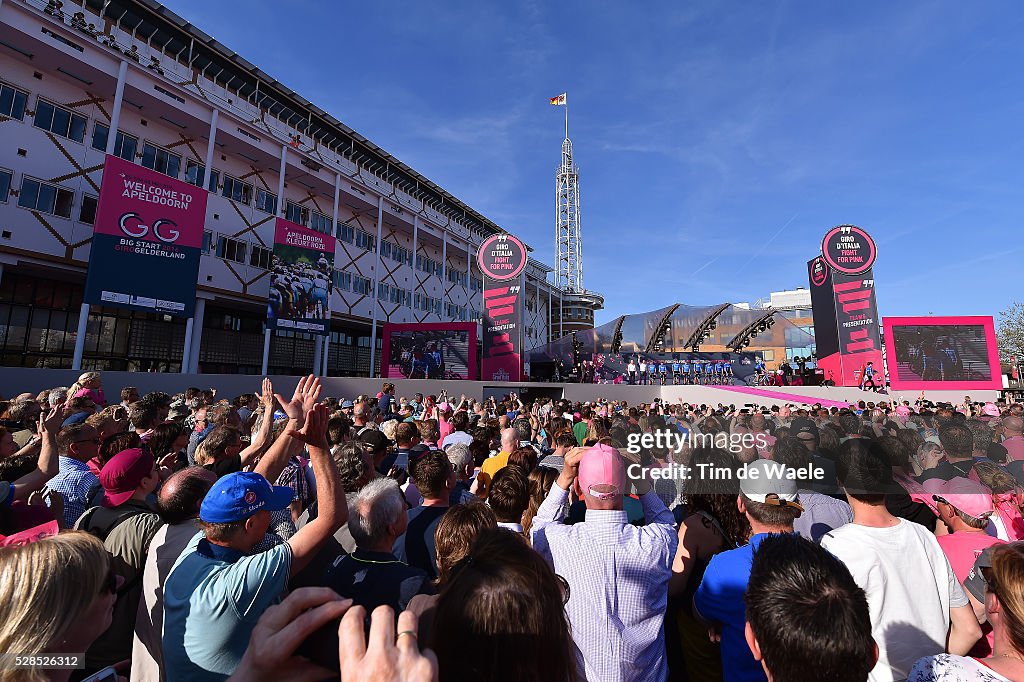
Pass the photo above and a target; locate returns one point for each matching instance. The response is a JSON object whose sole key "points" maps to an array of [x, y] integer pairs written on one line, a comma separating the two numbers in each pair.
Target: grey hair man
{"points": [[371, 575], [462, 464]]}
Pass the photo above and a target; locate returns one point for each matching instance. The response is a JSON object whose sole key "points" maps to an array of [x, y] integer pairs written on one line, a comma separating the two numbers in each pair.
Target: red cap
{"points": [[123, 473]]}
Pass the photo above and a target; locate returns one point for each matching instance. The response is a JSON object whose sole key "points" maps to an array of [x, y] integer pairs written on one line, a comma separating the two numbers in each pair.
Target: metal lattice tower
{"points": [[568, 241]]}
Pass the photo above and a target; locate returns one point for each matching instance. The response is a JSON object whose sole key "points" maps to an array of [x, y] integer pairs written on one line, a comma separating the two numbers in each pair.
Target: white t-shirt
{"points": [[910, 588], [949, 668]]}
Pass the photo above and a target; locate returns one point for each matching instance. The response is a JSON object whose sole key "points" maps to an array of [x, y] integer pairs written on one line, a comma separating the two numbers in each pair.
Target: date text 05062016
{"points": [[42, 661]]}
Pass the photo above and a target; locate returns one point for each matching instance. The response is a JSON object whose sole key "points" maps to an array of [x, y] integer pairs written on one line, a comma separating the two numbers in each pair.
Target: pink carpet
{"points": [[784, 397]]}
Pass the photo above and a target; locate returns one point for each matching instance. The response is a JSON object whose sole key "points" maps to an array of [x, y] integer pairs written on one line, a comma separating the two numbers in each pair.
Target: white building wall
{"points": [[172, 110]]}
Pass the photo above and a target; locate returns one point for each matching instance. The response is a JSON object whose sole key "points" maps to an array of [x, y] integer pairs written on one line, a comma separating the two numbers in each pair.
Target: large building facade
{"points": [[131, 78], [795, 306]]}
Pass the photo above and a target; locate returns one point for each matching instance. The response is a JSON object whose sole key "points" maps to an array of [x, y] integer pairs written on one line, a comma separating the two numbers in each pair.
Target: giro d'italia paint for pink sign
{"points": [[501, 260], [147, 241]]}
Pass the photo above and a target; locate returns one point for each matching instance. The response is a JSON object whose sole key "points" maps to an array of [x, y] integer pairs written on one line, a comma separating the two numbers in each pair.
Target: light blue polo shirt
{"points": [[212, 599]]}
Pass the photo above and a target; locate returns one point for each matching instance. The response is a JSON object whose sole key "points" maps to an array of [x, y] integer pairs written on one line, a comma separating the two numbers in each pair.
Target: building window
{"points": [[346, 233], [365, 241], [361, 285], [41, 196], [236, 190], [266, 202], [87, 212], [260, 257], [342, 280], [12, 102], [457, 277], [195, 173], [60, 121], [124, 146], [231, 249], [428, 265], [207, 241], [321, 223], [214, 185], [160, 160], [392, 294], [397, 253], [6, 177], [295, 213]]}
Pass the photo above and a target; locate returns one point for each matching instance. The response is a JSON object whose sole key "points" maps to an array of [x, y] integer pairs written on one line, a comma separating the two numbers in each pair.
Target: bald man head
{"points": [[182, 493], [509, 440]]}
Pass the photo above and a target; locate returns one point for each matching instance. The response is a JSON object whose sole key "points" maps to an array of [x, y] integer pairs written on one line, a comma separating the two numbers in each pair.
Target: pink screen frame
{"points": [[888, 323], [390, 328]]}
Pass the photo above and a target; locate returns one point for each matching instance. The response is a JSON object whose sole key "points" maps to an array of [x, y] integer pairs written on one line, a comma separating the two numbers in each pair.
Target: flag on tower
{"points": [[558, 101]]}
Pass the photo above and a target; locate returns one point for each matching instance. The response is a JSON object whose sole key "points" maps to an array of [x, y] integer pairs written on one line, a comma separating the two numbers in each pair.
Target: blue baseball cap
{"points": [[239, 495]]}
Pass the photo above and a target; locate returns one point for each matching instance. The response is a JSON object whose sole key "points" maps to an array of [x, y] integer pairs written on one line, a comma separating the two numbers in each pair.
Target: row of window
{"points": [[361, 285], [397, 253], [72, 125], [55, 200], [428, 265], [392, 294], [457, 312], [458, 277], [427, 304]]}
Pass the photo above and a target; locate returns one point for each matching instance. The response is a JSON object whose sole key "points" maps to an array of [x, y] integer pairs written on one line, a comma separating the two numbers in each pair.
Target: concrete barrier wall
{"points": [[15, 380]]}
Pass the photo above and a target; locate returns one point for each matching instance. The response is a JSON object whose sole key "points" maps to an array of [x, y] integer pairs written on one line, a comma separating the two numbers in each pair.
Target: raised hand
{"points": [[314, 430], [390, 657], [50, 421], [307, 391], [267, 395], [281, 629]]}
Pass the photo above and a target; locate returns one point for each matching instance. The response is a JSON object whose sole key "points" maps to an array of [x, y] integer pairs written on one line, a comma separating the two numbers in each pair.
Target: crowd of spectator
{"points": [[383, 537]]}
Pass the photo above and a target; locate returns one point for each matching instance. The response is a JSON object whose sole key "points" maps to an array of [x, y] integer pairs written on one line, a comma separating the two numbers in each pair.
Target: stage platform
{"points": [[15, 380]]}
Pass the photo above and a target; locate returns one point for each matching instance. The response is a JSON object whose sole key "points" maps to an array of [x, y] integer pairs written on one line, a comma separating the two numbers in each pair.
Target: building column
{"points": [[444, 271], [115, 114], [211, 146], [268, 332], [376, 282], [187, 346], [415, 280], [196, 346], [469, 278], [266, 351], [83, 324], [326, 358], [115, 118]]}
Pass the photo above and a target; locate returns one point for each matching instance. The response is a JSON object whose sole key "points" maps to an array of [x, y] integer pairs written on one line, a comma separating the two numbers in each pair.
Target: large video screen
{"points": [[942, 353], [429, 351]]}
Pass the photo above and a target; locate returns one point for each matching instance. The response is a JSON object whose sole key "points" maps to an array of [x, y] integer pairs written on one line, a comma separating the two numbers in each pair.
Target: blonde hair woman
{"points": [[56, 596], [88, 385]]}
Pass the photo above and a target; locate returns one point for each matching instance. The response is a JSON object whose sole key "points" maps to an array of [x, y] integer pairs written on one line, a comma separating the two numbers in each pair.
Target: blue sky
{"points": [[717, 142]]}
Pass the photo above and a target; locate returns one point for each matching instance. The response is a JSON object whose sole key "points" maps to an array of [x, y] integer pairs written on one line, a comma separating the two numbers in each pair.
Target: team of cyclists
{"points": [[299, 290], [643, 371]]}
